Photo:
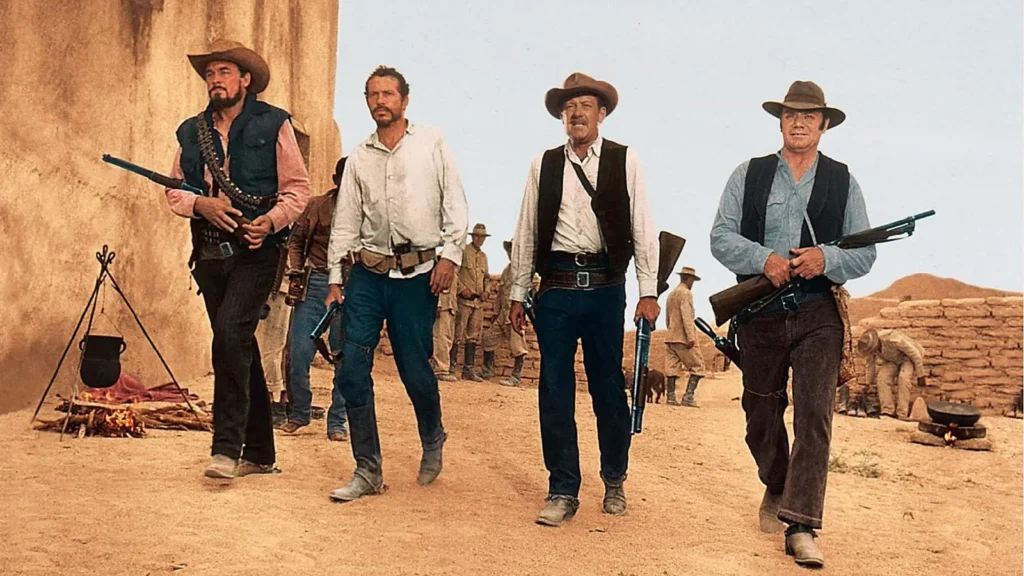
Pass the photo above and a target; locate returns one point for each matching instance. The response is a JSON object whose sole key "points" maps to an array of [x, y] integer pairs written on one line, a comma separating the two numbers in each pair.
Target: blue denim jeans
{"points": [[409, 308], [565, 317], [301, 350]]}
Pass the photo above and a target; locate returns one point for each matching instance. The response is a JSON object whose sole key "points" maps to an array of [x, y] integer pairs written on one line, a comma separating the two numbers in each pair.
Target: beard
{"points": [[220, 103], [384, 123]]}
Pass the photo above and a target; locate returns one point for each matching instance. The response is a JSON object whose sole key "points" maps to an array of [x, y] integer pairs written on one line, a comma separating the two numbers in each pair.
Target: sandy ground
{"points": [[122, 506]]}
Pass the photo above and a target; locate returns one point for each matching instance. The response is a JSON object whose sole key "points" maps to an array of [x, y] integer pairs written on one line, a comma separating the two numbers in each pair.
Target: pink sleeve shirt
{"points": [[292, 181]]}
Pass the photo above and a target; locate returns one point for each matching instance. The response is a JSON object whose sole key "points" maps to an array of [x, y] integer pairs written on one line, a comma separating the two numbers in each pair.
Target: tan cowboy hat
{"points": [[687, 271], [868, 342], [805, 95], [231, 51], [479, 230], [578, 84]]}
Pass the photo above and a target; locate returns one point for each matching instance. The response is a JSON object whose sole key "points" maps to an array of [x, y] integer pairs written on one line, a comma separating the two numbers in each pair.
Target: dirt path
{"points": [[107, 506]]}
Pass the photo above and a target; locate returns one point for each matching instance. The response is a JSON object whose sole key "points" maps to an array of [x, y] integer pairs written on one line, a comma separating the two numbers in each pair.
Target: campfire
{"points": [[89, 418], [953, 425]]}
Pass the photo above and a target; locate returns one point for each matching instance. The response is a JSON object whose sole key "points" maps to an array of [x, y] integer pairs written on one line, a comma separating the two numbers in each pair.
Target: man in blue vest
{"points": [[244, 153], [776, 213], [584, 217]]}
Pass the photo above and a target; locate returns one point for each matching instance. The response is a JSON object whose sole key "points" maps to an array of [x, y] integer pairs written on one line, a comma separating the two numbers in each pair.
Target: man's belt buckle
{"points": [[580, 259], [227, 250], [790, 303], [583, 279]]}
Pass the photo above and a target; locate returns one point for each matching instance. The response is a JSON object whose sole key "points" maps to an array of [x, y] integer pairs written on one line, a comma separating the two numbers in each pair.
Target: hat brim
{"points": [[555, 97], [245, 58], [685, 274], [835, 116], [479, 234]]}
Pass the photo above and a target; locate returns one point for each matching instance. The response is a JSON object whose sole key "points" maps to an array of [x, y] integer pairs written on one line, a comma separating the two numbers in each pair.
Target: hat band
{"points": [[804, 99]]}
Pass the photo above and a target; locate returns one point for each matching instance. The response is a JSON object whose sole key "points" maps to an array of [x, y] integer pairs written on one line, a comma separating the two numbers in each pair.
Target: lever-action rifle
{"points": [[177, 184], [670, 247]]}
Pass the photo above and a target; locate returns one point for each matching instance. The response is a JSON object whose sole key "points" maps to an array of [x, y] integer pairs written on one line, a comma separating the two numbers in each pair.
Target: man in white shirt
{"points": [[399, 200], [584, 217]]}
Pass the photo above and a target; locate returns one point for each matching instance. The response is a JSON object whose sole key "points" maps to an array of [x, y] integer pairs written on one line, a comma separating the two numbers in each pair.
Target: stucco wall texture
{"points": [[80, 79]]}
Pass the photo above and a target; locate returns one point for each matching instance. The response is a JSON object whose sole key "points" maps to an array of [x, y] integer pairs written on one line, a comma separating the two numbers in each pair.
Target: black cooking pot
{"points": [[101, 360], [947, 413]]}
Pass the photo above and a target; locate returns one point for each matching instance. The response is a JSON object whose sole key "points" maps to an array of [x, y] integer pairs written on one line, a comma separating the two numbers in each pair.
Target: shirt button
{"points": [[390, 177]]}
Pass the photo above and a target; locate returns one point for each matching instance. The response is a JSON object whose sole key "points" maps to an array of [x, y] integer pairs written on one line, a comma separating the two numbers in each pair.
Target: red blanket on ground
{"points": [[128, 389]]}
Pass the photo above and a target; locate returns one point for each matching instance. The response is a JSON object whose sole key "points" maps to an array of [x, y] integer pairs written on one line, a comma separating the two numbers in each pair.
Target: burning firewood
{"points": [[124, 420]]}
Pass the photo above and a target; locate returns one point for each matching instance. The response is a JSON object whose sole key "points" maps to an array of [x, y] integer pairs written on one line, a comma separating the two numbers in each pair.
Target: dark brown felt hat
{"points": [[231, 51], [805, 95], [579, 84]]}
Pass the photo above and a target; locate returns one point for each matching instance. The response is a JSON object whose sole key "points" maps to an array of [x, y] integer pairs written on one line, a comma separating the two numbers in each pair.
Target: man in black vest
{"points": [[773, 219], [584, 216], [244, 153]]}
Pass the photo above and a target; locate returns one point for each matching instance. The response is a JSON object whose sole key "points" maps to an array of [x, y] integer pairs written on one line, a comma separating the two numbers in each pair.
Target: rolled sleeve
{"points": [[180, 202], [292, 180], [525, 240], [454, 208]]}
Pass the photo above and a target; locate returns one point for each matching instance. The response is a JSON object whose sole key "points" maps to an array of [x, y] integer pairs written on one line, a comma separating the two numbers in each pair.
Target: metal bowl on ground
{"points": [[947, 413]]}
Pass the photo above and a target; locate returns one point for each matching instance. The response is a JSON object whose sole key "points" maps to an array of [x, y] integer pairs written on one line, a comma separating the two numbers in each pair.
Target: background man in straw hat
{"points": [[894, 360], [399, 200], [773, 217], [682, 354], [501, 327], [244, 152], [469, 321], [584, 217]]}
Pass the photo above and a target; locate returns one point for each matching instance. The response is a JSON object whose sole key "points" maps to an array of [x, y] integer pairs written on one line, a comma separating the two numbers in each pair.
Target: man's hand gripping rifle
{"points": [[670, 247], [177, 184], [317, 334], [747, 298]]}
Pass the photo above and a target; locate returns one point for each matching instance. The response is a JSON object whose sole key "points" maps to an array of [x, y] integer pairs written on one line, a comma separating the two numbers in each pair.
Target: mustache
{"points": [[384, 108]]}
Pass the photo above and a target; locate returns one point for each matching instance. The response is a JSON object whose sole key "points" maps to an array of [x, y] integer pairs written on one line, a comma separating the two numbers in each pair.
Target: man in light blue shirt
{"points": [[775, 216]]}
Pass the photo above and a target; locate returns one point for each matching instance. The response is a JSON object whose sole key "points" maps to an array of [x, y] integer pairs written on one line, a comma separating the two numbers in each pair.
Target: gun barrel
{"points": [[640, 359], [321, 326], [165, 181]]}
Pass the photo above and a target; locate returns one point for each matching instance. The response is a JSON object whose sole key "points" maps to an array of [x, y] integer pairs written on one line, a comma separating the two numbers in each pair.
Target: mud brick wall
{"points": [[713, 359], [972, 348]]}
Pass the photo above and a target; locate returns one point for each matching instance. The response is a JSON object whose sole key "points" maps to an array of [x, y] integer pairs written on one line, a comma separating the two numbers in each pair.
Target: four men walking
{"points": [[396, 227]]}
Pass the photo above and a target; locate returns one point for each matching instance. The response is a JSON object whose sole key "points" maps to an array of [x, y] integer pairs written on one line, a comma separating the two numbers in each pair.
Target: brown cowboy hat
{"points": [[479, 230], [687, 271], [805, 95], [868, 342], [231, 51], [578, 84]]}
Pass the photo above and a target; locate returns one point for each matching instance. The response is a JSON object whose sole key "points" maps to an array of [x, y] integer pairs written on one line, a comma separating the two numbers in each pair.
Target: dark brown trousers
{"points": [[810, 342]]}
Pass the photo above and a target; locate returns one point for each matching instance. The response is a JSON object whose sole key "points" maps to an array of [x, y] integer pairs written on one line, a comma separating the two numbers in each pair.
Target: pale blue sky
{"points": [[932, 91]]}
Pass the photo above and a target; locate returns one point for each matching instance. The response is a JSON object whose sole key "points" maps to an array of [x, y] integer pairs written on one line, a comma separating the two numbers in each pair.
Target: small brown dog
{"points": [[655, 384]]}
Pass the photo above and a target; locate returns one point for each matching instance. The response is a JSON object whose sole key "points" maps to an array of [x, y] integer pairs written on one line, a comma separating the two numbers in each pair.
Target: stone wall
{"points": [[972, 348], [81, 79]]}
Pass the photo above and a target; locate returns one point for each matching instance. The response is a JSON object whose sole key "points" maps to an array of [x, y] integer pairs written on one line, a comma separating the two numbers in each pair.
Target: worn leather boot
{"points": [[368, 477], [468, 371], [488, 372], [614, 496], [221, 467], [691, 388], [670, 390], [245, 468], [768, 513], [559, 508], [431, 462], [517, 373], [800, 545]]}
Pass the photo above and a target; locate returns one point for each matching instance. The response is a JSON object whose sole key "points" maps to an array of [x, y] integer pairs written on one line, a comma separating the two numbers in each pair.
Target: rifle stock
{"points": [[732, 300]]}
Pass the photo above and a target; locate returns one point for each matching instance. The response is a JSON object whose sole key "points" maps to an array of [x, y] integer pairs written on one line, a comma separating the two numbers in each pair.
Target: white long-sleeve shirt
{"points": [[387, 198], [577, 229]]}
